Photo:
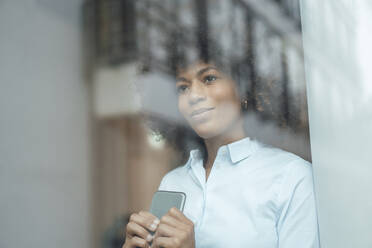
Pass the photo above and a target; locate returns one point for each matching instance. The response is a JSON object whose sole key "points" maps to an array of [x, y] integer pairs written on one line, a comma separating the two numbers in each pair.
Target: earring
{"points": [[244, 104]]}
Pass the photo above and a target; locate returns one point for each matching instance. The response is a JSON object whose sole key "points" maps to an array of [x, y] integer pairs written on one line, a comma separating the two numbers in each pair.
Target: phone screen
{"points": [[162, 201]]}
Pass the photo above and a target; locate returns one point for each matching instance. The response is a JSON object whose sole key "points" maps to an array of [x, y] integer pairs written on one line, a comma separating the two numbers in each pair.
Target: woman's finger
{"points": [[165, 242], [138, 242], [165, 230], [147, 222], [174, 231], [147, 215], [134, 229], [174, 212], [173, 222]]}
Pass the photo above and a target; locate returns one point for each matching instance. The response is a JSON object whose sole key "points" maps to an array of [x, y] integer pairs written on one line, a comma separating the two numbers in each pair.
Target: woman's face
{"points": [[208, 100]]}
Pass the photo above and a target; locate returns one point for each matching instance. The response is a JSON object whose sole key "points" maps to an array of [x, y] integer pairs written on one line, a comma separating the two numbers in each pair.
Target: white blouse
{"points": [[255, 196]]}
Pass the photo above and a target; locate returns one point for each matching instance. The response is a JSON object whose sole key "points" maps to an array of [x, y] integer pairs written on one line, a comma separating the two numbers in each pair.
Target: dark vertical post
{"points": [[174, 41], [147, 61], [285, 96], [202, 28], [250, 59], [129, 30]]}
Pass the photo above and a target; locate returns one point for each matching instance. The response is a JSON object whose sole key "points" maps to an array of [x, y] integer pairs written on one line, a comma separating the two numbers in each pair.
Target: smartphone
{"points": [[162, 201]]}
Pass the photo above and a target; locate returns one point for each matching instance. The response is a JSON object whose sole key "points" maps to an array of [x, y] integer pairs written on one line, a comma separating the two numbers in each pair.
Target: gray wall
{"points": [[44, 126], [338, 56]]}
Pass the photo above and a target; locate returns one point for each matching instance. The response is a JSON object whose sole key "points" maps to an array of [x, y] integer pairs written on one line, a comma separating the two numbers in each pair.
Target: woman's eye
{"points": [[181, 89], [209, 78]]}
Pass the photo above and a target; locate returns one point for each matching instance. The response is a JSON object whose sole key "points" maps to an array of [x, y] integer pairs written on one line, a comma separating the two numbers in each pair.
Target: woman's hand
{"points": [[174, 231], [138, 230]]}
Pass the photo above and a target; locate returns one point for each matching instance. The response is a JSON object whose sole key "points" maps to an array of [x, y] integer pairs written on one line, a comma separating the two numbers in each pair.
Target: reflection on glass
{"points": [[255, 46]]}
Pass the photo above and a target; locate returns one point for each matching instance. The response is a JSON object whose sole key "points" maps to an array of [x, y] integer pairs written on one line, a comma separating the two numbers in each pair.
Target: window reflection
{"points": [[257, 43]]}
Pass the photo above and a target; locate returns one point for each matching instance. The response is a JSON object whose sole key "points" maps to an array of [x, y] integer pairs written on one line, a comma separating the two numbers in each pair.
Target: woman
{"points": [[240, 193]]}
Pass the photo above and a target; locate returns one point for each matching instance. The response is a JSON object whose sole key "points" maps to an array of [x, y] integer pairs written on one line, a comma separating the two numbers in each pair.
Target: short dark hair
{"points": [[182, 137]]}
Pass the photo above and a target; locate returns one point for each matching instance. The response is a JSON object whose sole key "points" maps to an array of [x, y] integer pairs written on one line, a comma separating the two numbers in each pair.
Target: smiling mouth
{"points": [[200, 111]]}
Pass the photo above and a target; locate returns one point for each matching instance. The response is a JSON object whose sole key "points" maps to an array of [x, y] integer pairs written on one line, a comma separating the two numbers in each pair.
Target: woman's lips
{"points": [[200, 113]]}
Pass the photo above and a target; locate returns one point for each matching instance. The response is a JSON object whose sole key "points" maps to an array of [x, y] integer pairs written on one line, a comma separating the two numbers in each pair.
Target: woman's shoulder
{"points": [[173, 177], [280, 156], [283, 164], [290, 173]]}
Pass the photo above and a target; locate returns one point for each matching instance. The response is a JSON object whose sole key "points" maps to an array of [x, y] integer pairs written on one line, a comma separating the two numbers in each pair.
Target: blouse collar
{"points": [[235, 151]]}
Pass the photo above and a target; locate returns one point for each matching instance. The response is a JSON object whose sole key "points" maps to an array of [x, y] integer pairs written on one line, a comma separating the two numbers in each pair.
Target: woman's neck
{"points": [[234, 133]]}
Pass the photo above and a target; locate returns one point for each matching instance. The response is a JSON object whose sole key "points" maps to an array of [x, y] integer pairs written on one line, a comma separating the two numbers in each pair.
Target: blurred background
{"points": [[87, 85]]}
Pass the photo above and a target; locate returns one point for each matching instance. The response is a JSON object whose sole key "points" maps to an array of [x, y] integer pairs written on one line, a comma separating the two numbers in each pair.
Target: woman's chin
{"points": [[206, 132]]}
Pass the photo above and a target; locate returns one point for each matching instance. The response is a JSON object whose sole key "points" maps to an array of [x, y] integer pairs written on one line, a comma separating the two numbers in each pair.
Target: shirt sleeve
{"points": [[297, 224]]}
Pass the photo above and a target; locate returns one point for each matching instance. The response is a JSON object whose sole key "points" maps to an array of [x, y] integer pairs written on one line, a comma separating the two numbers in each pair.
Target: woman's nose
{"points": [[197, 93]]}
